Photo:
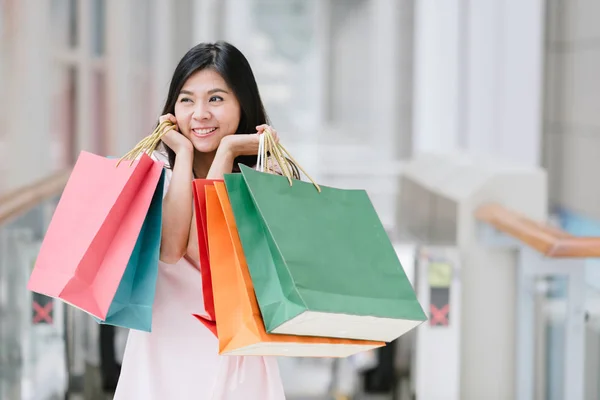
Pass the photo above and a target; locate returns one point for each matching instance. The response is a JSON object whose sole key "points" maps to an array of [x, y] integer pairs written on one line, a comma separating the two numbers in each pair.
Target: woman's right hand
{"points": [[173, 138]]}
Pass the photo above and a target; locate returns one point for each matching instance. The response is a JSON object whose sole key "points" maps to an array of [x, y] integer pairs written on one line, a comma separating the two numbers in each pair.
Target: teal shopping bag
{"points": [[321, 262], [132, 305]]}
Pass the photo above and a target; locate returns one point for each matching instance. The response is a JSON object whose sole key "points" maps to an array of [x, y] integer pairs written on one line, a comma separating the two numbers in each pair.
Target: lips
{"points": [[203, 132]]}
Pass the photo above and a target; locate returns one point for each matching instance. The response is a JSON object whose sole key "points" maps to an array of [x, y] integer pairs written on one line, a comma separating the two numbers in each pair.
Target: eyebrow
{"points": [[212, 91]]}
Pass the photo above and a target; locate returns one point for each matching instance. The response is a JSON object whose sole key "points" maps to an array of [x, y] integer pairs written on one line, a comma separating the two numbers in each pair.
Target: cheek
{"points": [[231, 118], [182, 118]]}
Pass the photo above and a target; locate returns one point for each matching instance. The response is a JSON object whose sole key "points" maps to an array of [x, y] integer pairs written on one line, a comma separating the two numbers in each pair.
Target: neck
{"points": [[202, 163]]}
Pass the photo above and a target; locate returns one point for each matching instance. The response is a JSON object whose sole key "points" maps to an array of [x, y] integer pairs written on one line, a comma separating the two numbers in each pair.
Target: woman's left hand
{"points": [[245, 144], [261, 129]]}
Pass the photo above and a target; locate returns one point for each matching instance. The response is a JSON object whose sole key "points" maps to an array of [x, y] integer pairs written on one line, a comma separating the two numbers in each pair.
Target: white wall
{"points": [[437, 75], [27, 133], [503, 79], [572, 117], [478, 77]]}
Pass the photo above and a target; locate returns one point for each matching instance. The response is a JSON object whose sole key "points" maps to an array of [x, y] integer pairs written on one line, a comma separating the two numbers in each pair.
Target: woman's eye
{"points": [[216, 98], [185, 100]]}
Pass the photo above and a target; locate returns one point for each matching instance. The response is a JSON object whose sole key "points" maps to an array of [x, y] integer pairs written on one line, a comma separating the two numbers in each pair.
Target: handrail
{"points": [[550, 241], [22, 200]]}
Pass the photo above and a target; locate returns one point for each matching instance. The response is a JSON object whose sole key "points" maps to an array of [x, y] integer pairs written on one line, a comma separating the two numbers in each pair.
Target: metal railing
{"points": [[33, 335], [546, 255]]}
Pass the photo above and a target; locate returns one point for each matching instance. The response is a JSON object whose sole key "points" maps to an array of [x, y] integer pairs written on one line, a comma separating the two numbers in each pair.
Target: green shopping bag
{"points": [[321, 262]]}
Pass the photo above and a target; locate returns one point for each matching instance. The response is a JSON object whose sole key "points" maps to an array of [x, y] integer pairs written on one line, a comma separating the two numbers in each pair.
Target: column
{"points": [[384, 59], [322, 15], [524, 48], [238, 25], [84, 129], [404, 85], [478, 78], [164, 61], [119, 67], [208, 17], [437, 109], [503, 79], [27, 96]]}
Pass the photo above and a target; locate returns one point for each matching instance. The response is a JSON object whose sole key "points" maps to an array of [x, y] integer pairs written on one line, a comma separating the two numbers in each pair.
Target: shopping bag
{"points": [[132, 305], [239, 323], [95, 227], [198, 187], [320, 259]]}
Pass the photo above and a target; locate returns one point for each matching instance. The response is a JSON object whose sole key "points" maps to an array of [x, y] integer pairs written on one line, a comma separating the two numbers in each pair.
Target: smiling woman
{"points": [[233, 100], [218, 115], [206, 110]]}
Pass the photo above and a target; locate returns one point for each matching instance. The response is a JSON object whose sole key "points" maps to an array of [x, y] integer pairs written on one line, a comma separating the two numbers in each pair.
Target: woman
{"points": [[214, 101]]}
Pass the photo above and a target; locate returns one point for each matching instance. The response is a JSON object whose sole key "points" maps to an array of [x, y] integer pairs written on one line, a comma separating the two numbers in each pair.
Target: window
{"points": [[98, 27], [64, 115], [65, 23]]}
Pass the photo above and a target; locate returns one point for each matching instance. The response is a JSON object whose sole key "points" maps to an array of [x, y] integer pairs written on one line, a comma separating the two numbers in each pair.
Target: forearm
{"points": [[178, 210], [221, 165], [192, 250]]}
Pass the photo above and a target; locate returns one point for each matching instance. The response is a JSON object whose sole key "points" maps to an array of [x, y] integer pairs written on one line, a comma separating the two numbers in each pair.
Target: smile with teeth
{"points": [[204, 131]]}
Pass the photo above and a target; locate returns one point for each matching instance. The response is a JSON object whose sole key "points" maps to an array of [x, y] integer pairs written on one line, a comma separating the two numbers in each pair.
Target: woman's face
{"points": [[206, 110]]}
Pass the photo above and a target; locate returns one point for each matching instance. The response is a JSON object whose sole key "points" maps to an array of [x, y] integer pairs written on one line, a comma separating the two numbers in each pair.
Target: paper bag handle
{"points": [[149, 143], [283, 158]]}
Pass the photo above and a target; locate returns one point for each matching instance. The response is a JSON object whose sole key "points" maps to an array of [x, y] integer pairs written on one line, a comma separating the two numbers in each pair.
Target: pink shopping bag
{"points": [[94, 230]]}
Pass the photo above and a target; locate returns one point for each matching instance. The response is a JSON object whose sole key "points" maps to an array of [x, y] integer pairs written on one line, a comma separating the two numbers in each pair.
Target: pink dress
{"points": [[179, 359]]}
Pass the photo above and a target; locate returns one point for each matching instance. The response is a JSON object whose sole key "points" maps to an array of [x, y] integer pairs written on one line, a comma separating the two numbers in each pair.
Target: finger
{"points": [[262, 128], [167, 117], [275, 135], [171, 128]]}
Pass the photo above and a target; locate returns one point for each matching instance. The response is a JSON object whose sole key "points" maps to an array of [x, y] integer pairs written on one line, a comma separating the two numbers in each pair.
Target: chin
{"points": [[206, 147]]}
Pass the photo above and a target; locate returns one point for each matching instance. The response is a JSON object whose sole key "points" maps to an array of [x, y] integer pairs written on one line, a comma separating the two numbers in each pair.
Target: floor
{"points": [[304, 385]]}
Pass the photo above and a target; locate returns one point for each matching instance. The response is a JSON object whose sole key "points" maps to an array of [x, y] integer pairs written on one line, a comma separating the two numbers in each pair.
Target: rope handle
{"points": [[267, 145], [149, 143], [282, 157]]}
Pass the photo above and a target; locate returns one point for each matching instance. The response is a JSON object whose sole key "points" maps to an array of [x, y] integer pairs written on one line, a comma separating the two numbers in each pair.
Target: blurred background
{"points": [[474, 125]]}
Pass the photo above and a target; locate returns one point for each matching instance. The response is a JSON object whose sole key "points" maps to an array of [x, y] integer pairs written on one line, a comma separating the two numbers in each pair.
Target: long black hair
{"points": [[232, 65]]}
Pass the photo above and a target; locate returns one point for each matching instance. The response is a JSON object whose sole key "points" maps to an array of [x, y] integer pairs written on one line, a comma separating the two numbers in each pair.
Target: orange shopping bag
{"points": [[239, 323]]}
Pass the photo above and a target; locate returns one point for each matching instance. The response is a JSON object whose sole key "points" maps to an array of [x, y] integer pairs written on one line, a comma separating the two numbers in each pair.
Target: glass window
{"points": [[99, 114], [284, 56], [144, 115], [141, 31], [64, 114], [184, 30], [98, 27], [3, 62], [64, 23], [1, 20]]}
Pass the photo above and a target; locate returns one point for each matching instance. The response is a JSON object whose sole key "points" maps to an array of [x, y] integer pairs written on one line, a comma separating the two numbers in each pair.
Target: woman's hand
{"points": [[173, 138], [245, 144]]}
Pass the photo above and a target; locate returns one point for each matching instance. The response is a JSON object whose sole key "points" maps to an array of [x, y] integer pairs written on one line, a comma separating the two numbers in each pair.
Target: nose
{"points": [[201, 112]]}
